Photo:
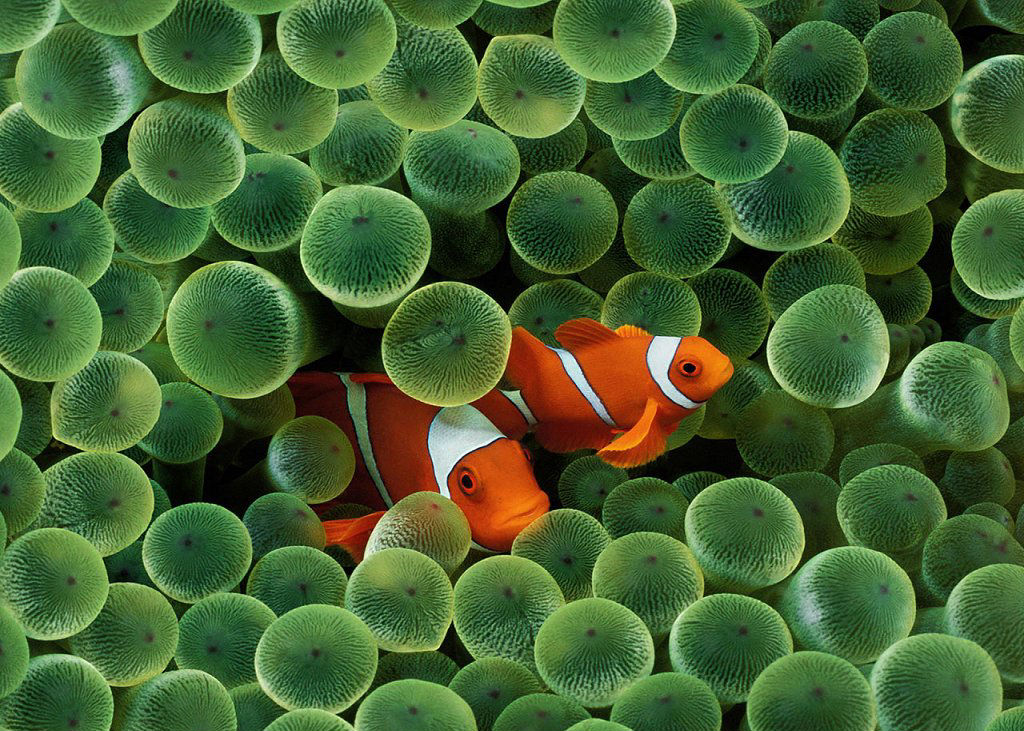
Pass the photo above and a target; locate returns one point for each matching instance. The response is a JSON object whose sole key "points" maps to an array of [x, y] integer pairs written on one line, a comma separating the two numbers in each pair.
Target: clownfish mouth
{"points": [[529, 515], [526, 517], [500, 540]]}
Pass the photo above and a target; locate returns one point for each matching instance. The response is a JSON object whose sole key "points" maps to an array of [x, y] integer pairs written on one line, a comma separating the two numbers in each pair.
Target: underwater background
{"points": [[511, 365]]}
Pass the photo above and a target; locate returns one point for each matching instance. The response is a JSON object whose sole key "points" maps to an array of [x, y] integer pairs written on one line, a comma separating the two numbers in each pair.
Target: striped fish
{"points": [[470, 454], [621, 392]]}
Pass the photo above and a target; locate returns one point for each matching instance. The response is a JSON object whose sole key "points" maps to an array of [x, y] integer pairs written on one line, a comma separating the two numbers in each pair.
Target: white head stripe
{"points": [[516, 397], [661, 355], [575, 373], [356, 395], [455, 432]]}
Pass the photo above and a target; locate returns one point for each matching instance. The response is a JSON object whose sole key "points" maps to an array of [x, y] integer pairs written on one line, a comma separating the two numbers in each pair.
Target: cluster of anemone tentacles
{"points": [[203, 197]]}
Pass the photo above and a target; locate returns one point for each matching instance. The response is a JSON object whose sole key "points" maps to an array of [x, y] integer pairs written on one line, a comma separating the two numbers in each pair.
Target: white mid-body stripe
{"points": [[576, 375], [519, 402], [661, 355], [356, 395], [455, 432]]}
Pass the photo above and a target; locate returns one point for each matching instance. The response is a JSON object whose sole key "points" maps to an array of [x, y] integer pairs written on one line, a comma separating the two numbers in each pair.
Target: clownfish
{"points": [[621, 392], [470, 454]]}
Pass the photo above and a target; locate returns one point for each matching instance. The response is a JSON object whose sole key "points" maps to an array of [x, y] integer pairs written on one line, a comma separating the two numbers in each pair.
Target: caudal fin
{"points": [[352, 534], [314, 392], [523, 358]]}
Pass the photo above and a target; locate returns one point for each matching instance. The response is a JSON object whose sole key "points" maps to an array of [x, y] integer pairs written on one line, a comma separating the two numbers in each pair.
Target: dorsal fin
{"points": [[583, 332], [371, 378], [631, 331]]}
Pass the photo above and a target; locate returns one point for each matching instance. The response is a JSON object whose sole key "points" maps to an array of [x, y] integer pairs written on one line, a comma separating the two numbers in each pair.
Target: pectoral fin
{"points": [[644, 442], [352, 534]]}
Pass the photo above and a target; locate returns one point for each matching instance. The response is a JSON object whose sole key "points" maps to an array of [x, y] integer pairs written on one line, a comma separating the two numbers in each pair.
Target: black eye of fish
{"points": [[467, 482], [689, 368]]}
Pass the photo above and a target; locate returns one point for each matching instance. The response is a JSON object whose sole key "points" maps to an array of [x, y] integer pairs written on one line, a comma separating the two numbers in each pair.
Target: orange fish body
{"points": [[467, 453], [621, 392]]}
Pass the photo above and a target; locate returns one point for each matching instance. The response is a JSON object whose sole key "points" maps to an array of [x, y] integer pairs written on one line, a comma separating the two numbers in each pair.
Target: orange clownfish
{"points": [[468, 453], [621, 392]]}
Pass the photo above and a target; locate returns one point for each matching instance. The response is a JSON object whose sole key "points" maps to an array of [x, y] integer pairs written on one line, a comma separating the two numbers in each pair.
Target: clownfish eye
{"points": [[467, 481], [689, 368]]}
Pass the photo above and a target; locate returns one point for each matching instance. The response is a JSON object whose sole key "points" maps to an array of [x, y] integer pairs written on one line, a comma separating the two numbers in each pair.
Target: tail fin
{"points": [[364, 378], [523, 358], [315, 392], [352, 534]]}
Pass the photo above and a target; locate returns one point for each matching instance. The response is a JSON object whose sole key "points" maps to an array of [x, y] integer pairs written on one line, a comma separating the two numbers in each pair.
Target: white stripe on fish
{"points": [[455, 432], [575, 372], [661, 355], [516, 397], [356, 395]]}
